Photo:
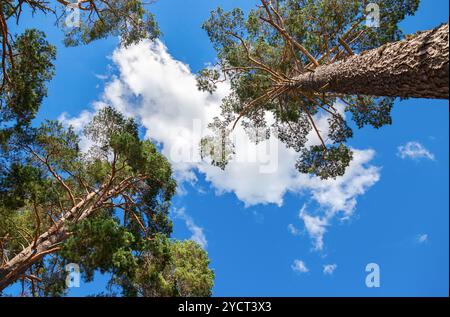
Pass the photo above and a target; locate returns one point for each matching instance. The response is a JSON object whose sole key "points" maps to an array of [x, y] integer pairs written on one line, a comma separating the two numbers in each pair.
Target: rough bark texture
{"points": [[416, 67]]}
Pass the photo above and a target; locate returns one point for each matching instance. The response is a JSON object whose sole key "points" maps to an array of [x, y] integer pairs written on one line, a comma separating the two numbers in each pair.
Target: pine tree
{"points": [[27, 59], [300, 60], [105, 209]]}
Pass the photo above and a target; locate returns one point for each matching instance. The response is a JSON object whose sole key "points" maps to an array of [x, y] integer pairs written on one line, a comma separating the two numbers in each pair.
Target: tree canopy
{"points": [[105, 209], [27, 59], [262, 53]]}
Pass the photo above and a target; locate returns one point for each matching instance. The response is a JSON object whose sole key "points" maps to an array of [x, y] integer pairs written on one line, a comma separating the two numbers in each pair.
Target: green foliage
{"points": [[325, 164], [24, 81], [372, 111], [43, 173], [263, 52], [140, 267], [27, 59], [192, 275], [339, 130], [128, 19], [207, 80], [100, 243], [127, 232], [20, 184], [171, 268]]}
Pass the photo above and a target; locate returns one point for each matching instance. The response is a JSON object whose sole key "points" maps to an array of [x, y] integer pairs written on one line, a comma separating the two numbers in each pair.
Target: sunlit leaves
{"points": [[107, 124], [127, 233], [172, 268], [60, 146], [221, 24], [100, 243], [207, 79]]}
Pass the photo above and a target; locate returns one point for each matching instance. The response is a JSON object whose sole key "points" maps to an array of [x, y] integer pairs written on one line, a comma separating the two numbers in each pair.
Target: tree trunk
{"points": [[46, 243], [416, 67], [49, 241]]}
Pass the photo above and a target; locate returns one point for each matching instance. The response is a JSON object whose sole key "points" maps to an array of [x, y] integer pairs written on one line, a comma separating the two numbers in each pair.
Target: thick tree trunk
{"points": [[49, 241], [416, 67], [12, 270], [46, 243]]}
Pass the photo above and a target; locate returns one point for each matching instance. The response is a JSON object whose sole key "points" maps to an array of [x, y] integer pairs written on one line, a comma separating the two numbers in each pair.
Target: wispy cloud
{"points": [[196, 231], [299, 266], [293, 230], [422, 238], [315, 226], [414, 150], [101, 76], [329, 269]]}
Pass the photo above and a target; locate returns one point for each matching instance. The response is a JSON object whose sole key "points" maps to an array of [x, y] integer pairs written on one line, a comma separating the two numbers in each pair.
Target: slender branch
{"points": [[55, 175], [263, 66], [283, 31], [38, 225], [315, 127]]}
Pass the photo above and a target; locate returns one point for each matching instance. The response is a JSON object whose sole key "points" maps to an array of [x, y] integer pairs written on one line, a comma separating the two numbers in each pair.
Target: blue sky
{"points": [[400, 220]]}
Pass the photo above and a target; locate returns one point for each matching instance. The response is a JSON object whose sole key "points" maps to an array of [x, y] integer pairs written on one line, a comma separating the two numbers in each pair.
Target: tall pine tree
{"points": [[299, 60]]}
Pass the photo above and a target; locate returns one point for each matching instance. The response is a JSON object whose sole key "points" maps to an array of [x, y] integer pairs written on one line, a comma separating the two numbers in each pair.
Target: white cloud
{"points": [[315, 226], [337, 198], [101, 76], [414, 150], [161, 93], [78, 123], [196, 231], [299, 267], [329, 269], [293, 230], [422, 238]]}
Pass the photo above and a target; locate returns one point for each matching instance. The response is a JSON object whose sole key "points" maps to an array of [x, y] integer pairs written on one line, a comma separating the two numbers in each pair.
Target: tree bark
{"points": [[416, 67], [47, 242]]}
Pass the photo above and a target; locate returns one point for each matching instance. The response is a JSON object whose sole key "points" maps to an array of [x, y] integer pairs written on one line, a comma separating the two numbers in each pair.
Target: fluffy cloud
{"points": [[161, 93], [299, 267], [196, 231], [329, 269], [414, 150]]}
